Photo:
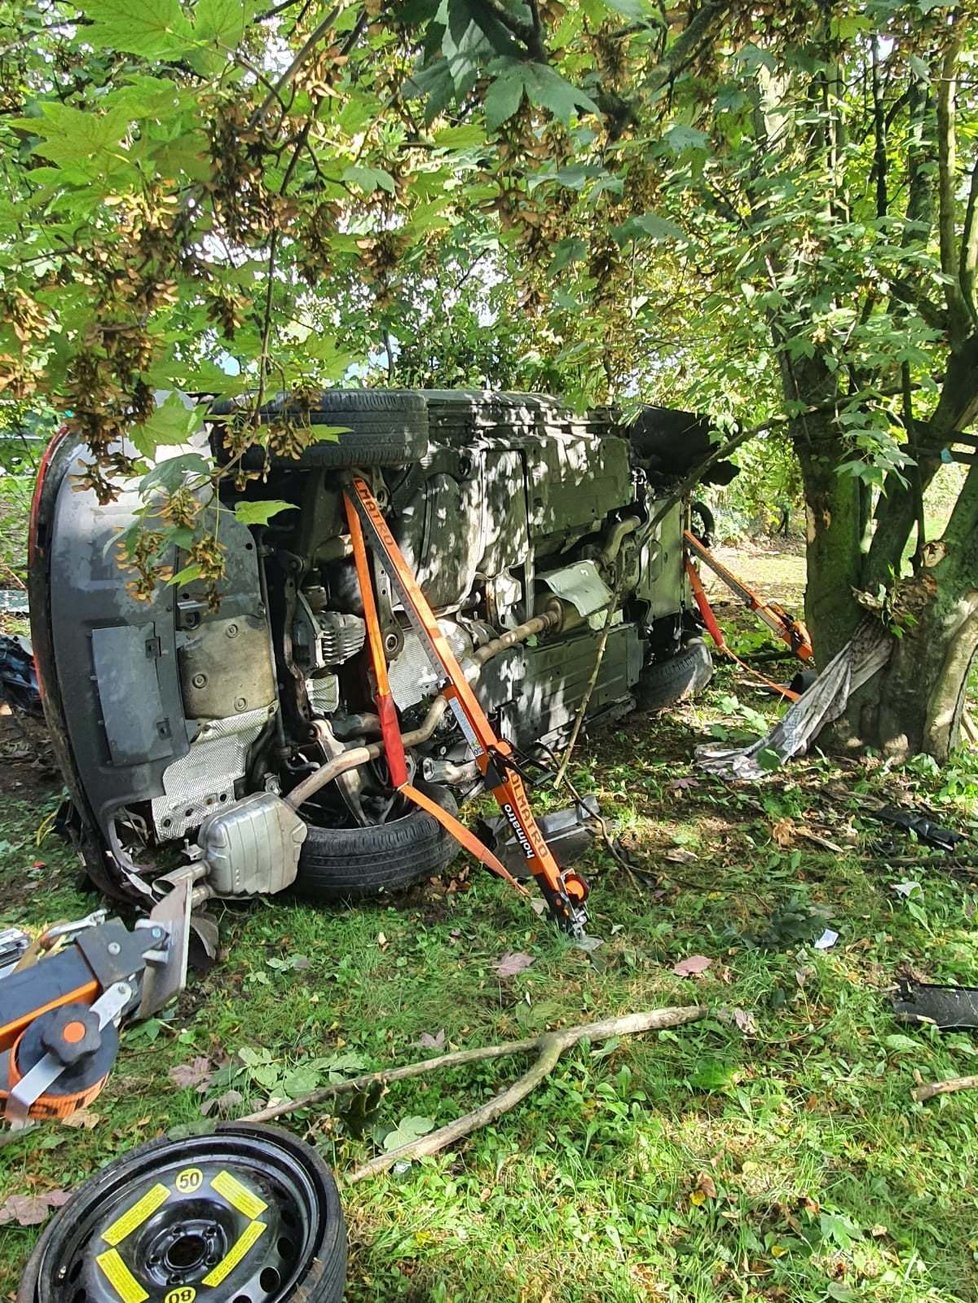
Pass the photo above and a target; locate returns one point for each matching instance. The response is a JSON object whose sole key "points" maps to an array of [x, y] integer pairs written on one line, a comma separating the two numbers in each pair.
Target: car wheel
{"points": [[339, 865], [703, 523], [680, 678], [382, 427], [247, 1212]]}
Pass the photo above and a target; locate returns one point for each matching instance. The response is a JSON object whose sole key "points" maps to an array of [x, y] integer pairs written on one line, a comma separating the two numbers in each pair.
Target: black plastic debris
{"points": [[945, 1007], [926, 830], [18, 677]]}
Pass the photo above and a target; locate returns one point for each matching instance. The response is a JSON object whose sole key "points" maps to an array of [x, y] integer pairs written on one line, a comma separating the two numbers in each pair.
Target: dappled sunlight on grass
{"points": [[778, 1158]]}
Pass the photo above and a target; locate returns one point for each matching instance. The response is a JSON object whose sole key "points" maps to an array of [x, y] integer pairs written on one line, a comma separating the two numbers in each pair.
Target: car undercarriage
{"points": [[186, 727]]}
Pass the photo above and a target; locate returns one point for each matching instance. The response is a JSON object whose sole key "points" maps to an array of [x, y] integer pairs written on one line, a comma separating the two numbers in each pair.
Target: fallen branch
{"points": [[946, 1087], [549, 1047]]}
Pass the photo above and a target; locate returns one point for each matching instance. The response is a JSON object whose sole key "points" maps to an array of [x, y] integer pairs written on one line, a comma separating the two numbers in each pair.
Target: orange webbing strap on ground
{"points": [[491, 752], [462, 835], [386, 711]]}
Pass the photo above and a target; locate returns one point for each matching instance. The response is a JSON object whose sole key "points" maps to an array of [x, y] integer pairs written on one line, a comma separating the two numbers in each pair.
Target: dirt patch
{"points": [[27, 765], [776, 573]]}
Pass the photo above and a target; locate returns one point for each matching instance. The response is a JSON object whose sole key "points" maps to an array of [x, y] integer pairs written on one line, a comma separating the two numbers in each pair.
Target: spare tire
{"points": [[248, 1212], [680, 678], [382, 427], [340, 865]]}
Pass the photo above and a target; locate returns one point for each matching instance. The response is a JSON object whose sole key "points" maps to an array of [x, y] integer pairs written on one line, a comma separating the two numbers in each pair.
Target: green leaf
{"points": [[841, 1230], [147, 97], [155, 29], [71, 136], [468, 135], [637, 11], [260, 513], [171, 423], [647, 224], [711, 1074], [768, 760], [223, 22], [503, 97], [408, 1130], [568, 251], [901, 1044], [549, 90], [170, 474], [369, 179], [300, 1081], [185, 576], [680, 137]]}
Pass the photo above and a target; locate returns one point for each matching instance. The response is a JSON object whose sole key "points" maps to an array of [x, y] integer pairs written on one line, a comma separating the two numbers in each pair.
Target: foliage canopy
{"points": [[769, 211]]}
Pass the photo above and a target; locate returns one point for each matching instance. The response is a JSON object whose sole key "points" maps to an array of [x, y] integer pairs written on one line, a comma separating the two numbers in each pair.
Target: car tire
{"points": [[680, 678], [383, 427], [340, 865], [307, 1260], [703, 523]]}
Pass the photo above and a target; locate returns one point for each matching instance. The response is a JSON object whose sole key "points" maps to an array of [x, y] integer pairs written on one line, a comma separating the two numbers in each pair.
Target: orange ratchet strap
{"points": [[565, 892], [716, 633], [788, 629]]}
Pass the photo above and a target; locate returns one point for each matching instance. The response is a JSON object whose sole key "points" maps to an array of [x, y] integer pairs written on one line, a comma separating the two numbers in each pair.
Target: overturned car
{"points": [[191, 736]]}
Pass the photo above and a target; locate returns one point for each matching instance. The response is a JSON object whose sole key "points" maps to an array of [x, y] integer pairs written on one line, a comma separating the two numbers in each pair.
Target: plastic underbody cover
{"points": [[510, 480]]}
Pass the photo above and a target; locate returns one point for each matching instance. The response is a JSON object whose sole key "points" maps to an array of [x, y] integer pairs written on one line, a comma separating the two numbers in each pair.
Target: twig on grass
{"points": [[946, 1087], [549, 1048]]}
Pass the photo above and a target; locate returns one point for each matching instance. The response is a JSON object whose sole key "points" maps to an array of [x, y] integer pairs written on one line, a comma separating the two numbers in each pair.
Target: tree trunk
{"points": [[835, 517], [915, 704]]}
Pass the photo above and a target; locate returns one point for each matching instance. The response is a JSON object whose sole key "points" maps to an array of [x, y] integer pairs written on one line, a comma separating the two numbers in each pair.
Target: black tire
{"points": [[703, 523], [384, 427], [269, 1178], [681, 678], [340, 865], [802, 681]]}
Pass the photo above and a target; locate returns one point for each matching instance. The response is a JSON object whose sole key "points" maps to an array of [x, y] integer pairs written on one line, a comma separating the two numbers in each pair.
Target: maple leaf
{"points": [[31, 1209], [513, 962], [198, 1072], [428, 1042], [691, 966]]}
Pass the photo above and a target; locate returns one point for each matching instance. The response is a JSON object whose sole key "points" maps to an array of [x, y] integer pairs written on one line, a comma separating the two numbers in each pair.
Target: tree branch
{"points": [[549, 1048], [531, 33], [946, 1087], [932, 314], [735, 441], [687, 44], [947, 171], [968, 266], [310, 44], [879, 136]]}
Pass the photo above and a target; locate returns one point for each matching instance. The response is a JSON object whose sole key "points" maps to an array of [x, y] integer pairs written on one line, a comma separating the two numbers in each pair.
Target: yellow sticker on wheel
{"points": [[237, 1195], [189, 1180], [185, 1294], [242, 1246], [121, 1278], [136, 1215]]}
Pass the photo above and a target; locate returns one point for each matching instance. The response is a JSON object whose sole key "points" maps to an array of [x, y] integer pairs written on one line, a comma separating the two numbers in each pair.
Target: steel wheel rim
{"points": [[160, 1230]]}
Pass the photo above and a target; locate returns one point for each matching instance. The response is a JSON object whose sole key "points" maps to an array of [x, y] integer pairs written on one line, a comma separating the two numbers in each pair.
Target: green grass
{"points": [[702, 1164]]}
